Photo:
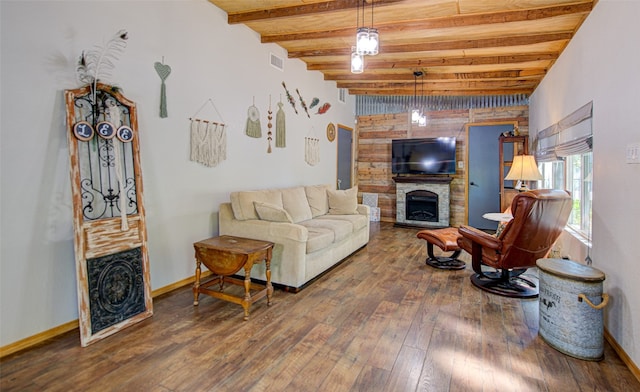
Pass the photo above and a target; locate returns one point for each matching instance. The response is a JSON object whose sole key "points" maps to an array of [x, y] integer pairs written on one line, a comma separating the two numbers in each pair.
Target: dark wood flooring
{"points": [[380, 321]]}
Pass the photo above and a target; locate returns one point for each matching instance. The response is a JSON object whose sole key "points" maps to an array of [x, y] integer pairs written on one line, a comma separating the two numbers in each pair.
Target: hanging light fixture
{"points": [[374, 42], [374, 38], [362, 40], [357, 61], [362, 33], [422, 121], [367, 38], [416, 113]]}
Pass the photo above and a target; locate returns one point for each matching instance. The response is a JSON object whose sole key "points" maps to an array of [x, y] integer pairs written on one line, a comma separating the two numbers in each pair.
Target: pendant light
{"points": [[374, 38], [357, 61], [367, 38], [416, 113]]}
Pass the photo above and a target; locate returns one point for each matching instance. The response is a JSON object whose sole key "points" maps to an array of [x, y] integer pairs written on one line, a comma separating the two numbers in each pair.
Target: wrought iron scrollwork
{"points": [[100, 162]]}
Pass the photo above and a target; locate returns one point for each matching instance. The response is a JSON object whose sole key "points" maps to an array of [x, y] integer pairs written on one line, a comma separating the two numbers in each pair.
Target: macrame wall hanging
{"points": [[280, 127], [163, 71], [208, 139], [253, 127], [312, 150]]}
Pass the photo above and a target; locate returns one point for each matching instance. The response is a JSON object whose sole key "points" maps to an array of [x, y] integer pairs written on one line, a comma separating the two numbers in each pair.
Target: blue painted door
{"points": [[483, 165], [345, 148]]}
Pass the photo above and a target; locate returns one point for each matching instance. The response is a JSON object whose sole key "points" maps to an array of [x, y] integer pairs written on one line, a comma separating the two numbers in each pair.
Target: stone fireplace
{"points": [[423, 201]]}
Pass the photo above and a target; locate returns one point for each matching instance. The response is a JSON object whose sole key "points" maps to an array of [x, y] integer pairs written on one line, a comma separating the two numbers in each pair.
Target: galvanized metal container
{"points": [[571, 302]]}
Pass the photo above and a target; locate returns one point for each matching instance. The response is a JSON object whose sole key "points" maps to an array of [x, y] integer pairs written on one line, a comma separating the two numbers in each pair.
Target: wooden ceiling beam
{"points": [[520, 74], [517, 40], [442, 85], [419, 63], [299, 10], [438, 92], [443, 22]]}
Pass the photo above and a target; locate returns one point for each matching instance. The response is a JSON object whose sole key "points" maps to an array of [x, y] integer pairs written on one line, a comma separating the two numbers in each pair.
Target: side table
{"points": [[226, 255]]}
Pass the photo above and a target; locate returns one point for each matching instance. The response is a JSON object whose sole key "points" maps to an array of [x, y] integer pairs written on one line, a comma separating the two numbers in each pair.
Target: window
{"points": [[565, 160], [573, 174]]}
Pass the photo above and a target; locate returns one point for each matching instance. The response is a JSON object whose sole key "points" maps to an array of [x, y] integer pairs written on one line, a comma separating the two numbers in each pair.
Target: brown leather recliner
{"points": [[539, 216]]}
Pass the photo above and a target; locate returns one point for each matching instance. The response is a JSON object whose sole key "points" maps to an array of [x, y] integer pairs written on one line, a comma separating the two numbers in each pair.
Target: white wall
{"points": [[601, 65], [41, 42]]}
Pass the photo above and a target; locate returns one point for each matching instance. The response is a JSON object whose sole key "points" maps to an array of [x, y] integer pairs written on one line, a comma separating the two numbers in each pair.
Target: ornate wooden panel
{"points": [[112, 263]]}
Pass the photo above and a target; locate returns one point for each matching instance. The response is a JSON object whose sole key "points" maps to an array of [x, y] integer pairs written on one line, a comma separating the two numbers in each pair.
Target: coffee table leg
{"points": [[196, 284]]}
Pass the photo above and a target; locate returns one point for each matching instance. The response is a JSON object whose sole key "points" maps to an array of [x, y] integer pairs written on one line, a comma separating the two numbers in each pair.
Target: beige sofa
{"points": [[313, 228]]}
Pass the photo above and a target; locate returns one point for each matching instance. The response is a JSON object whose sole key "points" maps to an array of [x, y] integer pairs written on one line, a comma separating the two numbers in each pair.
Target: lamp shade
{"points": [[524, 168]]}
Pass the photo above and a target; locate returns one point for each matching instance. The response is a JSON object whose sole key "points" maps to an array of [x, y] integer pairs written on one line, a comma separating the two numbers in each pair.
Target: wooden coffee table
{"points": [[226, 255]]}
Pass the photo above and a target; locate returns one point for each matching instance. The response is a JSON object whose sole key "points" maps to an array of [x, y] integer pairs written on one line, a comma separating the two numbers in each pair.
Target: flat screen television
{"points": [[423, 156]]}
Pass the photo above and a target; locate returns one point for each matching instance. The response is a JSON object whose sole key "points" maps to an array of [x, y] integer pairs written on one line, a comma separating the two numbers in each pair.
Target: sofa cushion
{"points": [[295, 202], [319, 238], [357, 221], [343, 202], [272, 213], [341, 228], [242, 202], [317, 198]]}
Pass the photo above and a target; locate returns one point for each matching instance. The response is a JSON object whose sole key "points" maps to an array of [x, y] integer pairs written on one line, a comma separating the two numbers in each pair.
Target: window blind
{"points": [[570, 136]]}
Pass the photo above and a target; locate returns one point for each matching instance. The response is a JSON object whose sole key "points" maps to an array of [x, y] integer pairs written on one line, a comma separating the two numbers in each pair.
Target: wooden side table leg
{"points": [[268, 274], [196, 284], [246, 302]]}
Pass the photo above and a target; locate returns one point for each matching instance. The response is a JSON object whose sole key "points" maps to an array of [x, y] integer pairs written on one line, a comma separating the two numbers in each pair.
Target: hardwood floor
{"points": [[380, 321]]}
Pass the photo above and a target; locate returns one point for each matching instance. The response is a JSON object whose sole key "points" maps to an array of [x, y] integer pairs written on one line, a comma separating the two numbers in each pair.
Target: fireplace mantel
{"points": [[423, 179]]}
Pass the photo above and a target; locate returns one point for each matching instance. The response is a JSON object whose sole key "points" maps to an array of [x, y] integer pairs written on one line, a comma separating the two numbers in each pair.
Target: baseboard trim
{"points": [[38, 338], [623, 355]]}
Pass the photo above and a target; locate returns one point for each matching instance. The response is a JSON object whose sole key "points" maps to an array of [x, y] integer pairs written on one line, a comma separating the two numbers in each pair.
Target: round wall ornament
{"points": [[331, 132]]}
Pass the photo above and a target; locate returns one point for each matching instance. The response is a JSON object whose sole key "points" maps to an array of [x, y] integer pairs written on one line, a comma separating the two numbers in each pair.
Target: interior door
{"points": [[483, 173], [345, 157]]}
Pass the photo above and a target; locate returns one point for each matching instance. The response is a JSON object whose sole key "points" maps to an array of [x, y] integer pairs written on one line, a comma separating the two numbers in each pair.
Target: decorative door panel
{"points": [[112, 263]]}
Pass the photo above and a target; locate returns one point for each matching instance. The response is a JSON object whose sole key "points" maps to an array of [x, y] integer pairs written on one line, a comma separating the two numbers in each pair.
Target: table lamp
{"points": [[523, 168]]}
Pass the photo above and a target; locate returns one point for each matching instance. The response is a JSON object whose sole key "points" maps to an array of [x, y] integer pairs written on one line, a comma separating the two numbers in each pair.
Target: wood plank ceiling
{"points": [[463, 47]]}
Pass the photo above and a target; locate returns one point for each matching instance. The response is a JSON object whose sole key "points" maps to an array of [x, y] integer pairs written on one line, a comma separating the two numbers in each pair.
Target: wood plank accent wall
{"points": [[373, 150]]}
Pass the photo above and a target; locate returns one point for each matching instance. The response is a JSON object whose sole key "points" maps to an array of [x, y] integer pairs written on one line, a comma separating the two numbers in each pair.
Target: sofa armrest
{"points": [[363, 209]]}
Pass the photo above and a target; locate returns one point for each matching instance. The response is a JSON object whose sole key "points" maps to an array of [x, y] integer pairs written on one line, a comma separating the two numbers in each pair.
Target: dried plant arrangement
{"points": [[96, 64]]}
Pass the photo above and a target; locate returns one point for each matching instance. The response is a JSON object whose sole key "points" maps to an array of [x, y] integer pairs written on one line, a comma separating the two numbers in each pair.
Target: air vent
{"points": [[342, 95], [276, 62]]}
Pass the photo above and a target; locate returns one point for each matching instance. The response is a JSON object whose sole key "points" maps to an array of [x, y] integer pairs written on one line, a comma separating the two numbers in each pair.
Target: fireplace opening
{"points": [[422, 206]]}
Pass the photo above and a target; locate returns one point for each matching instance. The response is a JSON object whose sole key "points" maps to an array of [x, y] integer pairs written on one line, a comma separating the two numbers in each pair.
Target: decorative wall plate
{"points": [[331, 132]]}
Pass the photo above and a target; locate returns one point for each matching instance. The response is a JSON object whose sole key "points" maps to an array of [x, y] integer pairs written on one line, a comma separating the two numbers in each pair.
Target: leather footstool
{"points": [[445, 239]]}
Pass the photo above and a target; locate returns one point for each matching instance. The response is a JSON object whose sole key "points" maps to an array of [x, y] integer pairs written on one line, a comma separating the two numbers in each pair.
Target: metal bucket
{"points": [[571, 302]]}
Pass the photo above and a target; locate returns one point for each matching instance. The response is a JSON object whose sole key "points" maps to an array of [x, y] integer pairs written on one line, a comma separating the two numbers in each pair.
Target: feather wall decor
{"points": [[97, 63]]}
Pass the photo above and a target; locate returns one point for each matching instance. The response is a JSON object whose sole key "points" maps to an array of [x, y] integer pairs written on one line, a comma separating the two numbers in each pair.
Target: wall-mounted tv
{"points": [[423, 156]]}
